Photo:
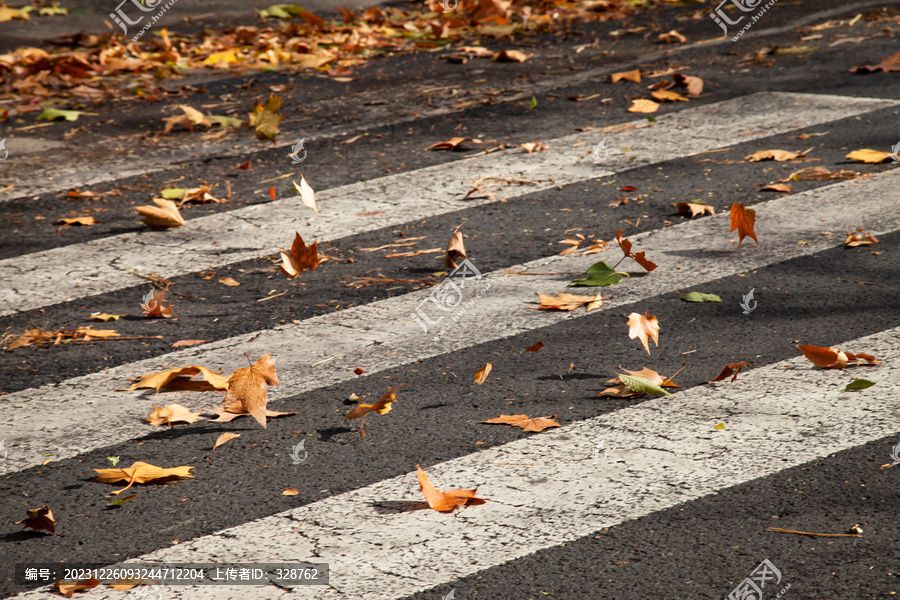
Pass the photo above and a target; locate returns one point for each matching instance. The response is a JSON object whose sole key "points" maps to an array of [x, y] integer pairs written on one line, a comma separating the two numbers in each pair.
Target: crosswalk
{"points": [[544, 490]]}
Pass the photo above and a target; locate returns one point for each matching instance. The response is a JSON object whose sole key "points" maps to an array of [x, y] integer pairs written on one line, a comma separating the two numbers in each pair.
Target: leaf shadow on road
{"points": [[392, 507]]}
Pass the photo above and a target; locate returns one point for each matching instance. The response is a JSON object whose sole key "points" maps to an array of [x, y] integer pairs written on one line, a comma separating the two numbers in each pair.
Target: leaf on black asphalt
{"points": [[535, 424], [300, 258], [859, 384], [264, 119], [534, 347], [383, 406], [641, 385], [600, 274], [700, 297], [39, 519], [645, 327]]}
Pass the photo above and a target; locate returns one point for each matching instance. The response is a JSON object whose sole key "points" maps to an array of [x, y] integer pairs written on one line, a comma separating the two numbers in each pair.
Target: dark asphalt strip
{"points": [[824, 299], [499, 235], [706, 547]]}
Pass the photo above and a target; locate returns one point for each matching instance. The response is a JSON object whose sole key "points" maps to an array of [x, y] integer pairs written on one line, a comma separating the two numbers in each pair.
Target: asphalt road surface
{"points": [[667, 497]]}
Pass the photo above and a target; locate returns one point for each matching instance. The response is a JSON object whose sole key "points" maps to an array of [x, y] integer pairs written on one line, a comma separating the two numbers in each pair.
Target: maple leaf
{"points": [[625, 245], [153, 305], [157, 381], [731, 370], [821, 174], [165, 214], [860, 239], [639, 383], [452, 143], [634, 76], [249, 385], [456, 250], [300, 258], [225, 437], [227, 414], [832, 358], [776, 155], [872, 157], [890, 64], [264, 120], [482, 373], [536, 424], [644, 327], [68, 589], [642, 105], [445, 501], [307, 194], [383, 406], [171, 414], [693, 84], [668, 96], [75, 221], [600, 274], [743, 219], [39, 519], [569, 302], [140, 472]]}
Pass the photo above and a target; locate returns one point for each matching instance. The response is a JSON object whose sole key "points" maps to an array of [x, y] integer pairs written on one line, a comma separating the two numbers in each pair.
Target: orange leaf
{"points": [[455, 251], [634, 76], [534, 347], [625, 245], [536, 424], [859, 239], [445, 501], [743, 219], [67, 589], [644, 327], [140, 472], [301, 258], [383, 406], [153, 305], [832, 358], [693, 209], [642, 105], [694, 85], [482, 373], [39, 519], [249, 386], [452, 143], [272, 192], [225, 437], [171, 414], [776, 187], [569, 302], [164, 214], [731, 370], [156, 381]]}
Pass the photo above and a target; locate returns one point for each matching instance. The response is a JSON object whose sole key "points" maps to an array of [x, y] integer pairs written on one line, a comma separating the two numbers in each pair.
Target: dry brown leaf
{"points": [[229, 281], [44, 338], [300, 258], [623, 391], [189, 119], [534, 347], [530, 147], [511, 56], [821, 174], [890, 64], [860, 239], [69, 589], [692, 209], [872, 157], [456, 251], [667, 96], [776, 155], [694, 85], [478, 51], [249, 386], [307, 194], [445, 501], [452, 143], [642, 105], [383, 406], [634, 76], [75, 221], [140, 472], [225, 437], [171, 414], [290, 492], [157, 381], [731, 370], [104, 317], [482, 373], [164, 214], [644, 327], [743, 219], [39, 519], [569, 302], [832, 358], [536, 424], [671, 37], [776, 187], [236, 409], [640, 257], [154, 307], [186, 343]]}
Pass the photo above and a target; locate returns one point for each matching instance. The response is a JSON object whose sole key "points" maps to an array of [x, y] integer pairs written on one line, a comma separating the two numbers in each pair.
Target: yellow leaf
{"points": [[644, 106], [156, 381], [140, 472], [225, 437], [224, 57], [869, 156], [105, 317]]}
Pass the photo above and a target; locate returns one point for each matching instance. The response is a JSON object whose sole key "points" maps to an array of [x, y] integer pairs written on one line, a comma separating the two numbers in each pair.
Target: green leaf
{"points": [[52, 114], [601, 273], [651, 119], [224, 121], [119, 501], [533, 103], [858, 384], [173, 193], [53, 10], [641, 385], [113, 459], [264, 120], [700, 297], [280, 11], [720, 426]]}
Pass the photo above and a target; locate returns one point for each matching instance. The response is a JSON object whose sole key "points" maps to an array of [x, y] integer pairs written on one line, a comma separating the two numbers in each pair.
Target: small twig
{"points": [[270, 297], [780, 530], [326, 360]]}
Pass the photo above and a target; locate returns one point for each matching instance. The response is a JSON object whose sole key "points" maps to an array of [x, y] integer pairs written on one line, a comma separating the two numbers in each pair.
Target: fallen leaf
{"points": [[720, 426], [860, 239], [858, 384], [530, 147], [140, 472], [536, 424], [731, 370], [832, 358], [511, 56], [225, 437], [456, 251], [68, 589], [643, 377], [667, 96], [672, 37], [66, 222], [290, 492], [171, 414], [164, 214], [694, 85], [44, 338], [105, 317], [644, 327], [244, 166], [625, 245], [39, 519], [821, 174], [301, 258], [776, 155], [776, 187], [569, 302], [186, 343], [157, 381], [445, 501], [383, 406], [452, 143], [642, 105], [225, 57], [634, 76], [482, 373], [642, 385], [871, 157], [743, 219], [249, 385], [358, 371], [230, 282], [700, 297], [693, 209], [272, 192], [236, 409], [54, 114], [8, 14], [307, 194], [599, 274], [890, 64], [534, 347], [264, 119], [153, 305]]}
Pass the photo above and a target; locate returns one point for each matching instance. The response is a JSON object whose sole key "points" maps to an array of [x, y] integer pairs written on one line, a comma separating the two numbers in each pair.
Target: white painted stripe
{"points": [[105, 265], [379, 336], [546, 490]]}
